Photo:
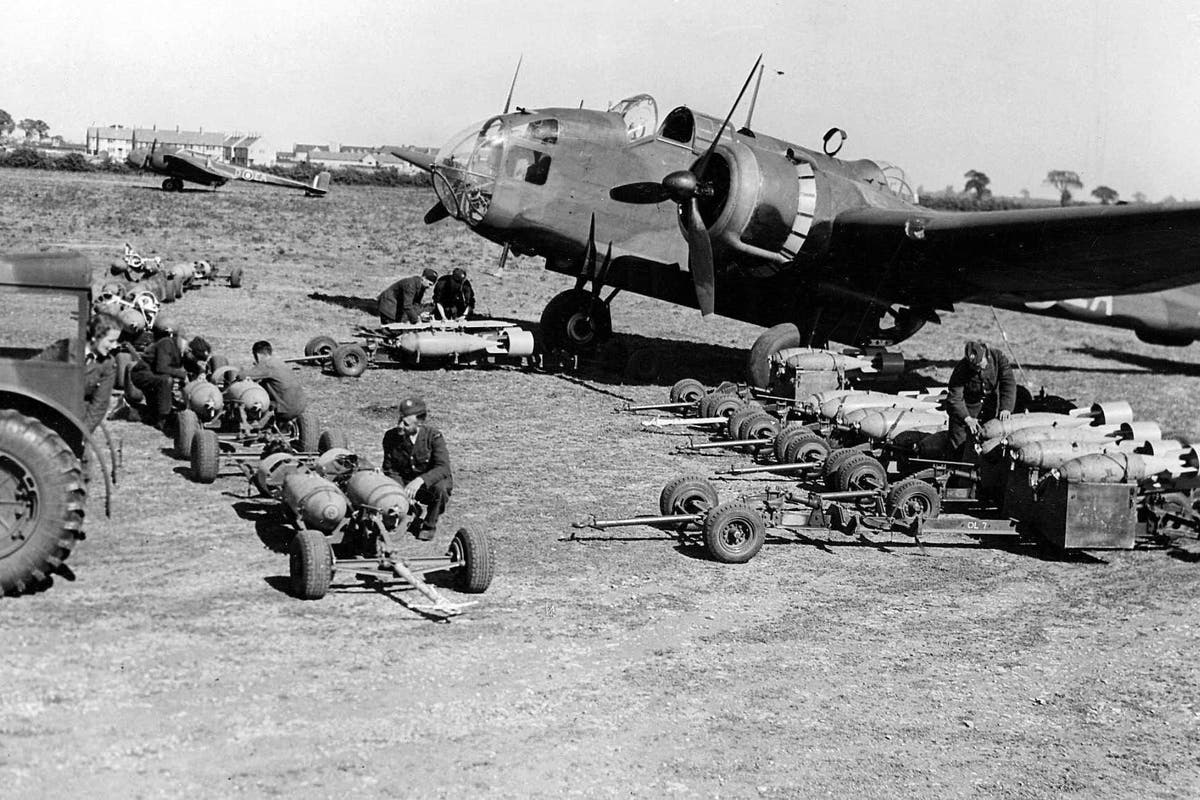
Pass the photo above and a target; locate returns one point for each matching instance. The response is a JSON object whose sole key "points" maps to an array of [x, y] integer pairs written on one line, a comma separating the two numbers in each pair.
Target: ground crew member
{"points": [[195, 357], [982, 387], [160, 368], [100, 368], [453, 295], [279, 380], [402, 301], [415, 454]]}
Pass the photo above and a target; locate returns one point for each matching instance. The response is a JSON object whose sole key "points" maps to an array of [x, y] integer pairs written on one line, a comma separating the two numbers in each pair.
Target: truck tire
{"points": [[186, 426], [687, 494], [734, 533], [206, 456], [474, 550], [41, 502], [310, 565], [349, 360]]}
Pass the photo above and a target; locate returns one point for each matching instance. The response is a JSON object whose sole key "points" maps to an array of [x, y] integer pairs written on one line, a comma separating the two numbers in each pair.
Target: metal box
{"points": [[1100, 516]]}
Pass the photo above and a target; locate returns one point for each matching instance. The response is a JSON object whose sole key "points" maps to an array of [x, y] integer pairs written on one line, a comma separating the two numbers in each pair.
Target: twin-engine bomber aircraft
{"points": [[181, 165], [810, 246]]}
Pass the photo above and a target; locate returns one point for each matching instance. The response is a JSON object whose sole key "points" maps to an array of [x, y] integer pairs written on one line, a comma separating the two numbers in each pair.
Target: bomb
{"points": [[886, 423], [204, 399], [314, 501], [1128, 467], [250, 396]]}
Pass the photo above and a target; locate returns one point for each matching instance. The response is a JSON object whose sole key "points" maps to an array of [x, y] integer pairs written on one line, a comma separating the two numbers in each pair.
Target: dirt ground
{"points": [[620, 664]]}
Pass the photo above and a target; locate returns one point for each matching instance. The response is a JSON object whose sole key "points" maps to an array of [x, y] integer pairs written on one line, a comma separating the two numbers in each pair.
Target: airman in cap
{"points": [[982, 387], [403, 301], [415, 454]]}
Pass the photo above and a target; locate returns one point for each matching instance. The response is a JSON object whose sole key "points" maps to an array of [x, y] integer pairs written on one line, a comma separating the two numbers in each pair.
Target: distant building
{"points": [[119, 141]]}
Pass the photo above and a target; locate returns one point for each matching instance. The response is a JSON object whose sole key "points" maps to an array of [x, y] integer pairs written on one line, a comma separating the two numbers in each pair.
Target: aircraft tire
{"points": [[575, 321], [769, 342]]}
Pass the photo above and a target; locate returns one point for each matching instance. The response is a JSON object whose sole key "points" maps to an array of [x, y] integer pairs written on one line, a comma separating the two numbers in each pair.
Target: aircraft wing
{"points": [[193, 168], [937, 258]]}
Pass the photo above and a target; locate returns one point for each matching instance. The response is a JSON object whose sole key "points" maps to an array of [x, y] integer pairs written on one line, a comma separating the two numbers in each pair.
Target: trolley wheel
{"points": [[329, 439], [206, 456], [307, 432], [474, 550], [687, 494], [688, 390], [706, 402], [349, 360], [912, 498], [737, 417], [784, 438], [726, 406], [310, 562], [834, 461], [320, 346], [806, 447], [860, 472], [759, 426], [186, 426], [734, 533]]}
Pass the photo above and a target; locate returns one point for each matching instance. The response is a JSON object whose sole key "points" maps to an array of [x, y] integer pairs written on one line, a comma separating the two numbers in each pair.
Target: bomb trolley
{"points": [[407, 344], [351, 520]]}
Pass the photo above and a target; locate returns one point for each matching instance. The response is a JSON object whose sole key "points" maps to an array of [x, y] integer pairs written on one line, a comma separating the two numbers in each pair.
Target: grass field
{"points": [[615, 666]]}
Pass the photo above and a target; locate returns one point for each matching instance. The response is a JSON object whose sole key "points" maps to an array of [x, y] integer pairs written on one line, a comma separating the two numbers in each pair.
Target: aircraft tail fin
{"points": [[320, 185]]}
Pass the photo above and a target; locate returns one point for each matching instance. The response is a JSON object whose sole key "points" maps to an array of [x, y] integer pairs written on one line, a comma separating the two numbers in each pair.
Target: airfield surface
{"points": [[622, 665]]}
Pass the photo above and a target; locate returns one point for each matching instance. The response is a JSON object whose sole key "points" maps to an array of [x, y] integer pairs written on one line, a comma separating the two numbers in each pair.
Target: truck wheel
{"points": [[320, 346], [186, 426], [687, 494], [308, 432], [474, 551], [235, 277], [206, 456], [860, 472], [349, 360], [41, 502], [688, 390], [912, 498], [310, 562], [734, 533], [334, 437]]}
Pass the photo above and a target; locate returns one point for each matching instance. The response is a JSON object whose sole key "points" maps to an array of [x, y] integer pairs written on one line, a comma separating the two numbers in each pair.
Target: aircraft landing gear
{"points": [[172, 185], [576, 321]]}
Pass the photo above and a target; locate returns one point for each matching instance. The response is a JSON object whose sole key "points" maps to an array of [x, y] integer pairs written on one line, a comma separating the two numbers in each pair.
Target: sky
{"points": [[1105, 88]]}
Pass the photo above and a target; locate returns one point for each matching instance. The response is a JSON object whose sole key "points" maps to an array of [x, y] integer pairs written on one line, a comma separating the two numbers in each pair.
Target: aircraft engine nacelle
{"points": [[763, 205]]}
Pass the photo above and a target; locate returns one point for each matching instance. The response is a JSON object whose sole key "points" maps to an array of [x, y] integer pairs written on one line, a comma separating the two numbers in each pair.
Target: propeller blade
{"points": [[700, 257], [588, 267], [640, 193], [601, 273], [436, 213], [517, 71], [702, 164]]}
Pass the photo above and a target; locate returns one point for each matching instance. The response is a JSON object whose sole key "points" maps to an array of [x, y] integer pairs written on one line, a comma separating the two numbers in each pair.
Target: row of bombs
{"points": [[1099, 444], [135, 304], [349, 517], [226, 412]]}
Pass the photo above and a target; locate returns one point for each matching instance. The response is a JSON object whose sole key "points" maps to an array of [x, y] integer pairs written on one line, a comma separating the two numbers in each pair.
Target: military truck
{"points": [[44, 297]]}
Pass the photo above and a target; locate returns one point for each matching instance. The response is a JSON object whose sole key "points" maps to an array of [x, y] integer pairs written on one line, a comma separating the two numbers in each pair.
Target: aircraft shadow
{"points": [[924, 363], [184, 190], [1154, 364], [365, 304]]}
